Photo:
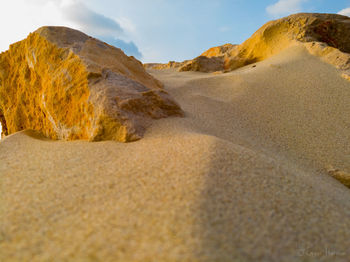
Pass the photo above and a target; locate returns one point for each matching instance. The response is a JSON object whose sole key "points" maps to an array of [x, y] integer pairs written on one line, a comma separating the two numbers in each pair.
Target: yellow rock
{"points": [[160, 66], [211, 60], [329, 30], [203, 64], [71, 86], [219, 50], [340, 175]]}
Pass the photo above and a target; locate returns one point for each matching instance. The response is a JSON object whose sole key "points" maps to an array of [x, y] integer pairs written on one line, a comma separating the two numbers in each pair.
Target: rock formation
{"points": [[160, 66], [203, 64], [218, 51], [315, 30], [325, 35], [211, 60], [340, 175], [71, 86]]}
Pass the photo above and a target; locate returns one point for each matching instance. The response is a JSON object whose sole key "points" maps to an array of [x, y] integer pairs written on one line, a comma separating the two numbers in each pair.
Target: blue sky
{"points": [[155, 30]]}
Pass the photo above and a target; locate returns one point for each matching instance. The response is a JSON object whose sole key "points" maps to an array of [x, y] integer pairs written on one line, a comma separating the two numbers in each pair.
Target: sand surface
{"points": [[241, 178]]}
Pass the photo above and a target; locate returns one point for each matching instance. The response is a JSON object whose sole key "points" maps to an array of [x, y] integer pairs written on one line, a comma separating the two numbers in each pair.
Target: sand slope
{"points": [[242, 176]]}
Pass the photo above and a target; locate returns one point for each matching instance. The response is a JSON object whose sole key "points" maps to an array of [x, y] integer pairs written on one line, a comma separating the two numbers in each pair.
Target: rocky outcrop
{"points": [[325, 35], [330, 29], [211, 60], [203, 64], [340, 175], [160, 66], [219, 51], [71, 86]]}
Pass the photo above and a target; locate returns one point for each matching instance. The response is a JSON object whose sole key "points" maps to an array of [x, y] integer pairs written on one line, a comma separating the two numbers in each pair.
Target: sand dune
{"points": [[242, 176]]}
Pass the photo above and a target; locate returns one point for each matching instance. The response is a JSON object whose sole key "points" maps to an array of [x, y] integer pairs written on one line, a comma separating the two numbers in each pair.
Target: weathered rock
{"points": [[203, 64], [275, 36], [211, 60], [169, 65], [340, 175], [325, 35], [218, 51], [71, 86]]}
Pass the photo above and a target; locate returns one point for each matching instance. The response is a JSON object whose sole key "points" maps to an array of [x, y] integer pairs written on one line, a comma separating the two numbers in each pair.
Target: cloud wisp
{"points": [[91, 21], [285, 7], [98, 25], [345, 12]]}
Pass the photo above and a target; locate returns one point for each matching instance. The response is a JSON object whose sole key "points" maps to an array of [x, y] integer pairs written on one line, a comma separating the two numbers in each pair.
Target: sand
{"points": [[243, 177]]}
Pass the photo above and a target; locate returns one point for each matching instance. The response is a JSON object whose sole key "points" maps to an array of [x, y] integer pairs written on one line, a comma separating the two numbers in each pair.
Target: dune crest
{"points": [[71, 86]]}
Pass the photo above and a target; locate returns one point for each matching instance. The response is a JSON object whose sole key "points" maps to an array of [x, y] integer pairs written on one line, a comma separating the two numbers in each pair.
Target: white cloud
{"points": [[90, 21], [345, 11], [285, 7], [33, 14], [100, 26], [20, 17]]}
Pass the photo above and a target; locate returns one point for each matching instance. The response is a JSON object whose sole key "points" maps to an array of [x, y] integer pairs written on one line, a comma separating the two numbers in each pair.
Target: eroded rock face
{"points": [[160, 66], [219, 51], [203, 64], [71, 86], [211, 60], [330, 29], [325, 35]]}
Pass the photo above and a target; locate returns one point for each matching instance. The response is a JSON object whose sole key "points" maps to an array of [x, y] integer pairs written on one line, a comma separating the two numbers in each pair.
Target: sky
{"points": [[155, 30]]}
